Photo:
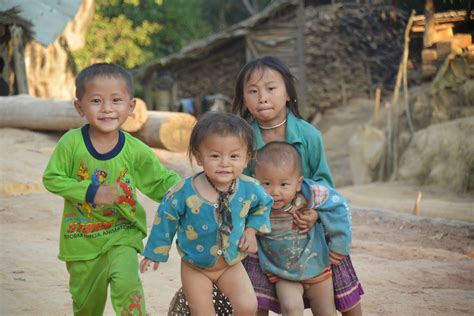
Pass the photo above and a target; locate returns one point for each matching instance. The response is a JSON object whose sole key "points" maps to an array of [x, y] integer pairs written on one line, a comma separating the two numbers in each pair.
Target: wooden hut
{"points": [[335, 50]]}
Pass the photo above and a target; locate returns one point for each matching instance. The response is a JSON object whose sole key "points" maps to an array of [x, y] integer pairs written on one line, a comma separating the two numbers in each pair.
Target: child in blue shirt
{"points": [[216, 215], [300, 263]]}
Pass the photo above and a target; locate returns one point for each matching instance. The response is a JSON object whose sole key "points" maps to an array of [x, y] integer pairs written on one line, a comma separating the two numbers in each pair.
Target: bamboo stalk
{"points": [[377, 104], [405, 72], [401, 74], [416, 209]]}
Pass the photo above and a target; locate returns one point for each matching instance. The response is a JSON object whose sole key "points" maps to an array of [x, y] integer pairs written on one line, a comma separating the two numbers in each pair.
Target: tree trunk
{"points": [[24, 111], [167, 130]]}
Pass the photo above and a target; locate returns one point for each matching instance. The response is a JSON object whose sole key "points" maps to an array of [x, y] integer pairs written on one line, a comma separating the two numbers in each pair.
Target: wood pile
{"points": [[165, 130], [444, 41], [350, 50]]}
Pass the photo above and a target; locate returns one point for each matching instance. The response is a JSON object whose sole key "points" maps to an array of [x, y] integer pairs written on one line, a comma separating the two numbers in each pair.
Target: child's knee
{"points": [[245, 306], [294, 307]]}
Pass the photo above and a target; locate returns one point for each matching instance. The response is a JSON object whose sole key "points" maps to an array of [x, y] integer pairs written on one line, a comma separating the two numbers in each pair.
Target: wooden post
{"points": [[405, 72], [148, 93], [377, 104], [389, 157], [401, 74], [300, 18], [430, 29], [19, 58], [416, 209]]}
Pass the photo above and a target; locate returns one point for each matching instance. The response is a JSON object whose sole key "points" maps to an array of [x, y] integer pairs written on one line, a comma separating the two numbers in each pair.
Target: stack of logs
{"points": [[442, 39], [159, 129]]}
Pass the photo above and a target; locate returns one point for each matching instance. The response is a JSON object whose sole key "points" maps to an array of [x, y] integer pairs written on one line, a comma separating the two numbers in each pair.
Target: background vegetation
{"points": [[133, 32]]}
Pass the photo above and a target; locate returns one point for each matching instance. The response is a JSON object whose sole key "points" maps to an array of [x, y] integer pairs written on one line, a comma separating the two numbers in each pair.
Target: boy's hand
{"points": [[107, 194], [305, 219], [145, 264], [248, 242]]}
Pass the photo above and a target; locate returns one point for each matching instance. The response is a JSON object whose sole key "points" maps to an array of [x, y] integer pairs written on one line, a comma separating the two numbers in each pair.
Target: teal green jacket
{"points": [[76, 170], [309, 143]]}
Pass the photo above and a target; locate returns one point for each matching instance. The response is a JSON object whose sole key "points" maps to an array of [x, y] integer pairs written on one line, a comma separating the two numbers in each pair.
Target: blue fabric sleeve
{"points": [[163, 230], [334, 212], [259, 214]]}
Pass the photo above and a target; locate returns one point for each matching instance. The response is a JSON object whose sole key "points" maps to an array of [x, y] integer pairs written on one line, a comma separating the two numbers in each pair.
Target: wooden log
{"points": [[167, 130], [429, 55], [138, 118], [454, 44], [24, 111]]}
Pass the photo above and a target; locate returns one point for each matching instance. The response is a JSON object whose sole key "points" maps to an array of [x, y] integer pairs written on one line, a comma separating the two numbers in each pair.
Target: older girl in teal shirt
{"points": [[265, 95]]}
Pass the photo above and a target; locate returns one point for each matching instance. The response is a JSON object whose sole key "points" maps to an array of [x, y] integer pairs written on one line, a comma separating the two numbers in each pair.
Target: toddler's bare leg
{"points": [[235, 284], [290, 295], [321, 298], [197, 289], [356, 310]]}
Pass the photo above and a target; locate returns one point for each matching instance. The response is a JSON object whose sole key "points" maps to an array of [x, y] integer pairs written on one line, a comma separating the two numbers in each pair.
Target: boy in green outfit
{"points": [[97, 170]]}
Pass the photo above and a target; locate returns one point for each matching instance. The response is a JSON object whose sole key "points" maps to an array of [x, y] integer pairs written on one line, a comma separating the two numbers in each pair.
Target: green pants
{"points": [[89, 280]]}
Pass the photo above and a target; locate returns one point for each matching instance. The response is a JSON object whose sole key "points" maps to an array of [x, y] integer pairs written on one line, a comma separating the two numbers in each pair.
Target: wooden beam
{"points": [[300, 18], [19, 58]]}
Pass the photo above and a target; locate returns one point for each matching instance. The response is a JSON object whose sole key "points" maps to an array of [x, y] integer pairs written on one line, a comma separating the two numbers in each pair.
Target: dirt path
{"points": [[408, 265]]}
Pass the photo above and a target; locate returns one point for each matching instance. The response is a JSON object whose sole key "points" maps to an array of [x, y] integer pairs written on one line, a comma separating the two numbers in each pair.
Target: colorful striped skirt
{"points": [[347, 289]]}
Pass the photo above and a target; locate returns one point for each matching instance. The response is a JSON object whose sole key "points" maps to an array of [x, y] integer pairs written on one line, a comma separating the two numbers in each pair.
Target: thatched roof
{"points": [[46, 18], [200, 48], [12, 16]]}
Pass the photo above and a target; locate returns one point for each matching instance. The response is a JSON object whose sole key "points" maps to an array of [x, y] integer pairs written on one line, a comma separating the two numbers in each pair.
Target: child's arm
{"points": [[164, 229], [304, 217], [58, 177], [154, 179], [248, 241], [258, 217], [106, 194], [145, 264], [334, 212]]}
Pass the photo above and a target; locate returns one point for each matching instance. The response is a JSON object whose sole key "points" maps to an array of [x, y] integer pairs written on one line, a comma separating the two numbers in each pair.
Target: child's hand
{"points": [[305, 219], [107, 194], [248, 242], [145, 264], [335, 258]]}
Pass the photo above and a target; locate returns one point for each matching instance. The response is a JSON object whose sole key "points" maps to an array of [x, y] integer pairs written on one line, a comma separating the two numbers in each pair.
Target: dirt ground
{"points": [[408, 265]]}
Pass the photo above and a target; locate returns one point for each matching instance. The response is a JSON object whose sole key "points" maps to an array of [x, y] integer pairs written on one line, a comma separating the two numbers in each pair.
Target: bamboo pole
{"points": [[377, 104], [401, 71], [416, 209], [405, 72]]}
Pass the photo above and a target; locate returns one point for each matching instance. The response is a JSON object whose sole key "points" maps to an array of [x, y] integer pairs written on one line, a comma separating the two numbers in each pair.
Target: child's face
{"points": [[106, 104], [223, 158], [281, 182], [265, 96]]}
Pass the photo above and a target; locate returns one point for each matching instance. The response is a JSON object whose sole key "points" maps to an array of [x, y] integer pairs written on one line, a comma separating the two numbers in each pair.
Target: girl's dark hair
{"points": [[238, 107], [221, 124], [102, 70]]}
